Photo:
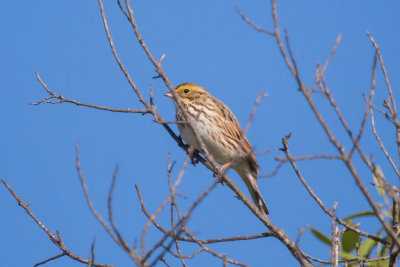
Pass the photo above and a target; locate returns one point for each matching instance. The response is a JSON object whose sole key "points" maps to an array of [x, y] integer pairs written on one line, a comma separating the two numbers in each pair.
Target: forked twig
{"points": [[381, 145], [290, 62], [56, 240], [318, 200], [258, 28], [62, 99], [117, 236], [390, 105]]}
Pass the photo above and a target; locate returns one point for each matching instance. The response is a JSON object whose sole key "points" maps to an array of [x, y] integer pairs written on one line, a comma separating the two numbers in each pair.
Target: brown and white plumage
{"points": [[221, 134]]}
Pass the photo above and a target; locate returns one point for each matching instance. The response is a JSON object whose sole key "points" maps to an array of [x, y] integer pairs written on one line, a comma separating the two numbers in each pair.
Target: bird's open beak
{"points": [[169, 95]]}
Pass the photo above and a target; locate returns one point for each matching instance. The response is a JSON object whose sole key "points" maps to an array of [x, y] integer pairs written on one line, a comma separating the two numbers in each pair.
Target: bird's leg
{"points": [[223, 169], [225, 166]]}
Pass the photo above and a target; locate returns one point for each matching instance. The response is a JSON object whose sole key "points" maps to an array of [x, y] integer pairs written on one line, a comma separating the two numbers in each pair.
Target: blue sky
{"points": [[205, 42]]}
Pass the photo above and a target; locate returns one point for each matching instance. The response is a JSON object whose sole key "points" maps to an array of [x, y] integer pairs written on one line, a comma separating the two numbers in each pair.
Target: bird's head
{"points": [[188, 92]]}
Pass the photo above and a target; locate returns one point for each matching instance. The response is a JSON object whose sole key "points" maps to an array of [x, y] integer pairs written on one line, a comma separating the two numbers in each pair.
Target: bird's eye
{"points": [[186, 91]]}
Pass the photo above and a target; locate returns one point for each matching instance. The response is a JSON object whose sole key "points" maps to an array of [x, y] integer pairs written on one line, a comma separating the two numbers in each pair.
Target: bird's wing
{"points": [[232, 130]]}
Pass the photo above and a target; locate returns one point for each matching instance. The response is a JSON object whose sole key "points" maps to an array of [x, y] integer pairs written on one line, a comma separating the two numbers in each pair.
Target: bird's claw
{"points": [[219, 177], [193, 155], [221, 180]]}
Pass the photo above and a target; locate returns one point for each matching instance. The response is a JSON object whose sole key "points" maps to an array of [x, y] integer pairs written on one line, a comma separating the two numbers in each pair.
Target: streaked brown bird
{"points": [[221, 134]]}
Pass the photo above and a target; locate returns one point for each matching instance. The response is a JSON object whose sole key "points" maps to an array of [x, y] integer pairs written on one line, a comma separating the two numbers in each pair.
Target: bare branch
{"points": [[139, 37], [174, 204], [87, 197], [308, 157], [320, 71], [273, 173], [216, 254], [278, 38], [114, 51], [121, 240], [151, 218], [332, 53], [258, 28], [349, 164], [211, 164], [165, 262], [253, 112], [116, 237], [50, 259], [381, 145], [335, 235], [384, 73], [367, 108], [91, 257], [61, 99], [318, 200], [184, 256], [301, 231], [57, 241], [346, 261], [187, 215], [391, 105], [394, 251], [229, 239]]}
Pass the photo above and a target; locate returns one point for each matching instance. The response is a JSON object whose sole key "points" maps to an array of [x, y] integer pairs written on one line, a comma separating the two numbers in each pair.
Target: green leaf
{"points": [[359, 214], [376, 180], [349, 240], [323, 238], [385, 250], [383, 263], [347, 256], [366, 247]]}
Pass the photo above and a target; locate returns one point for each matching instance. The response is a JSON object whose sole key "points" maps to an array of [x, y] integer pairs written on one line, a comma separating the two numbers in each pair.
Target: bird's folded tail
{"points": [[252, 186]]}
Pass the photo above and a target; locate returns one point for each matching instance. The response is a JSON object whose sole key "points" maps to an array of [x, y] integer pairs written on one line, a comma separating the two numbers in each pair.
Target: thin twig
{"points": [[278, 37], [367, 108], [183, 256], [273, 173], [56, 240], [394, 252], [62, 99], [392, 104], [165, 262], [174, 204], [349, 164], [381, 145], [116, 237], [212, 252], [229, 239], [50, 259], [301, 231], [91, 257], [114, 51], [335, 235], [151, 218], [121, 240], [320, 71], [258, 28], [309, 157], [187, 215], [211, 163], [87, 197], [318, 200]]}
